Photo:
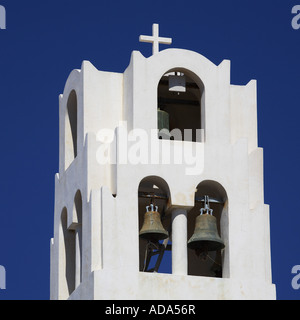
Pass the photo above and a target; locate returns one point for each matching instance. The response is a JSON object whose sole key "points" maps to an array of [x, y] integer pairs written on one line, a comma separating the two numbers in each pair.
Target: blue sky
{"points": [[45, 40]]}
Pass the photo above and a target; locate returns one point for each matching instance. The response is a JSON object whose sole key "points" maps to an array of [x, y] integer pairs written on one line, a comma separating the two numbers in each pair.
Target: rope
{"points": [[214, 261]]}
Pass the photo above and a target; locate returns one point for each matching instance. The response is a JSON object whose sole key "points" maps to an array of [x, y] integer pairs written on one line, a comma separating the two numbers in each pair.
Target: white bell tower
{"points": [[113, 163]]}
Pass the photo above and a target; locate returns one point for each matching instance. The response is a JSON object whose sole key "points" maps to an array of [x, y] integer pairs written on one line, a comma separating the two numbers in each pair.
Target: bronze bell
{"points": [[163, 124], [206, 237], [152, 228]]}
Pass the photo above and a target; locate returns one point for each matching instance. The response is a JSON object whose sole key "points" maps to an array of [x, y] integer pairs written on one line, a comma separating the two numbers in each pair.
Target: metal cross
{"points": [[155, 39]]}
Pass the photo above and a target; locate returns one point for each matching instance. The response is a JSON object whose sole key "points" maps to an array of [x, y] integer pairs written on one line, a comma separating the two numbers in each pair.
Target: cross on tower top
{"points": [[155, 39]]}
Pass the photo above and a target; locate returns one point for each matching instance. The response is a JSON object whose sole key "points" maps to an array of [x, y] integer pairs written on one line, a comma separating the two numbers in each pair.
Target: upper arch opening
{"points": [[180, 105]]}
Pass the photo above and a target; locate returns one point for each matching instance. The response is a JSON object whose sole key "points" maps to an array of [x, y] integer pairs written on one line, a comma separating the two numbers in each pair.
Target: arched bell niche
{"points": [[154, 256], [67, 254], [212, 264], [180, 106], [71, 132]]}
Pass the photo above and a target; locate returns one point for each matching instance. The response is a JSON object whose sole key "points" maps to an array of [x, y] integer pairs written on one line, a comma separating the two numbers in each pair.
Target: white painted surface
{"points": [[179, 238]]}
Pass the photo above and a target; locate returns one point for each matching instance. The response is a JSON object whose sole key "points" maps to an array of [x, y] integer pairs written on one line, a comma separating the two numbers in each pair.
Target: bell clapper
{"points": [[201, 254]]}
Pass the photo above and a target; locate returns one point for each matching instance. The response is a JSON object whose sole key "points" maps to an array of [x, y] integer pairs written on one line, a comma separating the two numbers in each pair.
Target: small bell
{"points": [[163, 124], [152, 228], [177, 82], [206, 237]]}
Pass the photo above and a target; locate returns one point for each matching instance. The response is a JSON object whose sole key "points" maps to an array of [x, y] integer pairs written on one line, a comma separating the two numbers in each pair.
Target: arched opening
{"points": [[71, 129], [154, 255], [77, 227], [211, 263], [77, 209], [67, 256], [180, 104]]}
